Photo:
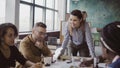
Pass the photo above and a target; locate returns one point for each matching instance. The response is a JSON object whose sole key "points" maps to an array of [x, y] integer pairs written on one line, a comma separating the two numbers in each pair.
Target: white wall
{"points": [[12, 12]]}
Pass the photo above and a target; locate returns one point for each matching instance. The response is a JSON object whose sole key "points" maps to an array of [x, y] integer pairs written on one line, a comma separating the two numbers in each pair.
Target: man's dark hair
{"points": [[40, 24]]}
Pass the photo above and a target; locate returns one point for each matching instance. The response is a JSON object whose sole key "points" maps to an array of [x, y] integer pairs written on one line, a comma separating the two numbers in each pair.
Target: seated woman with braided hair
{"points": [[9, 54], [110, 41]]}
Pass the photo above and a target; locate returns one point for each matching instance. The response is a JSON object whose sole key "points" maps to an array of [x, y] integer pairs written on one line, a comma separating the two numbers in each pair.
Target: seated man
{"points": [[33, 46]]}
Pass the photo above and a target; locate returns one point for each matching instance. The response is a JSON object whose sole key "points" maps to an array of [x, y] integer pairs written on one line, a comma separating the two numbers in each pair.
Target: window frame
{"points": [[44, 7]]}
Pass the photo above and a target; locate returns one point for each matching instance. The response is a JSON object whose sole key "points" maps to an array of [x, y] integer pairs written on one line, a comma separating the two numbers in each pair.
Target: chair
{"points": [[52, 43]]}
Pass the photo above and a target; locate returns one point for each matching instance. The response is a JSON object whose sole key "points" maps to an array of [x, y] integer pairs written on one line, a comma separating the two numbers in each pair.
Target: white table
{"points": [[64, 64]]}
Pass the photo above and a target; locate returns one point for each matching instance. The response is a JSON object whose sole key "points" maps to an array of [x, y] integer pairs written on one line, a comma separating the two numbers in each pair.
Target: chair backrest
{"points": [[52, 40]]}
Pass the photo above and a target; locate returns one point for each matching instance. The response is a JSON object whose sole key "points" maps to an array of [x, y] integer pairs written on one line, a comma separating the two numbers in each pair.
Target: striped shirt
{"points": [[77, 37]]}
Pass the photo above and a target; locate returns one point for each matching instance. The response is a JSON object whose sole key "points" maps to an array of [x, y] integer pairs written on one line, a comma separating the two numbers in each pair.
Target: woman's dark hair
{"points": [[77, 13], [40, 24], [4, 27], [84, 12], [111, 36]]}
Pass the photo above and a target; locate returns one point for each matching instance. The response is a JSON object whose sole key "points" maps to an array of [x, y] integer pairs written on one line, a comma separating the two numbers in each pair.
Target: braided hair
{"points": [[111, 36]]}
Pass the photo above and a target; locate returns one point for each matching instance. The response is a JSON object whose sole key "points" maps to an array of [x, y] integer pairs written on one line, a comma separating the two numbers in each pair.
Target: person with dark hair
{"points": [[84, 13], [78, 33], [9, 54], [33, 46], [110, 39]]}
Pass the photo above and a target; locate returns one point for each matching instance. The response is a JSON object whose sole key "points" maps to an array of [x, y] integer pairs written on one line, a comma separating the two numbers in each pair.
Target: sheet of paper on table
{"points": [[102, 65]]}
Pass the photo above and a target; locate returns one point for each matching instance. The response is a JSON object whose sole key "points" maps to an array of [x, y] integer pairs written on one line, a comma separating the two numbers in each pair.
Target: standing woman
{"points": [[78, 32], [9, 54]]}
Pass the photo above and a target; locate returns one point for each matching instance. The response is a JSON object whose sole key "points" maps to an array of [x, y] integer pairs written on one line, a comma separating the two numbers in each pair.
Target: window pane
{"points": [[24, 24], [27, 0], [57, 24], [49, 19], [38, 14], [56, 4], [2, 11], [40, 2], [68, 6], [50, 3]]}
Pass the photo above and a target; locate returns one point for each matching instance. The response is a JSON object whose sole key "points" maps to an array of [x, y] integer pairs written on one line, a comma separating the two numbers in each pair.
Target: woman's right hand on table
{"points": [[86, 63]]}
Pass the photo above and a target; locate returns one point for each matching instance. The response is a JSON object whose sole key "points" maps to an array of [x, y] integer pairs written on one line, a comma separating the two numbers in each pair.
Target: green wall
{"points": [[100, 12]]}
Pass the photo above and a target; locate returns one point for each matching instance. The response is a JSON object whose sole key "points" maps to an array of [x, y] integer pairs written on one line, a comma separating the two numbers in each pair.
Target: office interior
{"points": [[54, 13]]}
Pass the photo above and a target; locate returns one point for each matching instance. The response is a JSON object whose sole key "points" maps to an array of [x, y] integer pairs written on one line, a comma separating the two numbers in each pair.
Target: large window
{"points": [[56, 4], [38, 14], [32, 11], [24, 23], [49, 19], [27, 0], [57, 24], [40, 2], [50, 3], [2, 11]]}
